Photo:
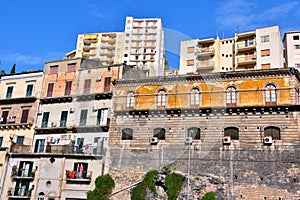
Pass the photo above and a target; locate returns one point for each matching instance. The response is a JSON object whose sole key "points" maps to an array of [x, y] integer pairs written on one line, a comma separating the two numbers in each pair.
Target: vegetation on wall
{"points": [[103, 188], [140, 191], [209, 196], [174, 184]]}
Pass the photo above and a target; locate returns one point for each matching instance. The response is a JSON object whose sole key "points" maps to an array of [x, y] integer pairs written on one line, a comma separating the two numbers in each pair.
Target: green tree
{"points": [[209, 196], [104, 185], [2, 72], [13, 69], [174, 184]]}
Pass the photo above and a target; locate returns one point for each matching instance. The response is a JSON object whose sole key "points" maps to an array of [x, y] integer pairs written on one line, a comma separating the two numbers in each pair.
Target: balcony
{"points": [[245, 46], [78, 177], [60, 99], [206, 41], [89, 47], [20, 148], [18, 98], [111, 53], [246, 60], [107, 46], [13, 122], [205, 51], [205, 66], [245, 35], [19, 193], [90, 38], [23, 174], [88, 53]]}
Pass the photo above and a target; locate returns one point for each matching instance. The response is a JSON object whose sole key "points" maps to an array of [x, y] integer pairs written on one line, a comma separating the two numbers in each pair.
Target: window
{"points": [[22, 186], [68, 87], [20, 139], [24, 117], [79, 145], [231, 96], [191, 49], [54, 69], [160, 133], [4, 117], [195, 97], [233, 132], [130, 100], [194, 132], [297, 46], [9, 92], [265, 52], [1, 141], [45, 119], [29, 90], [81, 170], [265, 38], [87, 86], [39, 146], [83, 117], [190, 62], [63, 119], [272, 131], [271, 98], [127, 134], [50, 89], [161, 98], [296, 37], [103, 117], [107, 82], [71, 67], [266, 66]]}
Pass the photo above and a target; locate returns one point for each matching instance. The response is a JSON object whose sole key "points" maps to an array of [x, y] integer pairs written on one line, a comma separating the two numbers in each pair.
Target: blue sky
{"points": [[34, 31]]}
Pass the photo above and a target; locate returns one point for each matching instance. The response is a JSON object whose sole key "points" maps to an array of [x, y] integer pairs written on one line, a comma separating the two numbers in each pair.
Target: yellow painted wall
{"points": [[250, 92]]}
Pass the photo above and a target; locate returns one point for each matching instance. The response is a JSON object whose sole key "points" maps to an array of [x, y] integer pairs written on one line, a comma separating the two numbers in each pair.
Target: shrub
{"points": [[209, 196], [140, 191], [104, 185], [174, 184]]}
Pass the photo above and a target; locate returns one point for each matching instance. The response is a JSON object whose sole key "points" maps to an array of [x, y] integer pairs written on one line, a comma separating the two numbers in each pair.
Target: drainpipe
{"points": [[4, 172]]}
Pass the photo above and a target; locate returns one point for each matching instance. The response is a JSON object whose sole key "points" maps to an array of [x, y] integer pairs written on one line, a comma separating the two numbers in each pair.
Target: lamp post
{"points": [[189, 141]]}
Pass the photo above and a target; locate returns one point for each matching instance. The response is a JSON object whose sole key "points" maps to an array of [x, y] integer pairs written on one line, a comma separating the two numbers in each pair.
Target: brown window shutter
{"points": [[107, 82]]}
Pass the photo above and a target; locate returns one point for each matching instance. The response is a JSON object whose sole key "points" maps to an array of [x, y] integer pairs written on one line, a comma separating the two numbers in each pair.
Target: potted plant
{"points": [[9, 192], [28, 193], [31, 174]]}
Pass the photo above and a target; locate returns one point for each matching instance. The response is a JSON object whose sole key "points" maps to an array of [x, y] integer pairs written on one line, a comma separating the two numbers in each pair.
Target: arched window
{"points": [[161, 98], [160, 133], [127, 134], [194, 132], [130, 100], [233, 132], [231, 96], [195, 97], [272, 131], [271, 97], [41, 196]]}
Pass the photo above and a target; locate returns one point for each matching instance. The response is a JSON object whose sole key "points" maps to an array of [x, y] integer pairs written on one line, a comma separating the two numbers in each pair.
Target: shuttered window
{"points": [[266, 66], [87, 86], [54, 69], [191, 49], [71, 67], [190, 62], [107, 82], [265, 52], [50, 89], [24, 117], [68, 87]]}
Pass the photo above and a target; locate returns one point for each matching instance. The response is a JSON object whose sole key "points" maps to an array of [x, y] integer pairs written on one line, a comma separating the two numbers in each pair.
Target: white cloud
{"points": [[245, 14]]}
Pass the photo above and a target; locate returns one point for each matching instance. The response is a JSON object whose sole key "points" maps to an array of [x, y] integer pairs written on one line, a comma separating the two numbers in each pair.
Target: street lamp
{"points": [[189, 142]]}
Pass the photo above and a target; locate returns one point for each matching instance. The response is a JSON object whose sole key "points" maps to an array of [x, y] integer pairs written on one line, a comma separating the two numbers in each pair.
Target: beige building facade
{"points": [[259, 49]]}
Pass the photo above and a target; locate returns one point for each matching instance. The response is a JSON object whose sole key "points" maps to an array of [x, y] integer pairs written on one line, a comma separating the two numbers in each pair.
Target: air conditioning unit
{"points": [[72, 110], [188, 140], [226, 140], [154, 140], [268, 140], [53, 124], [1, 119], [98, 78]]}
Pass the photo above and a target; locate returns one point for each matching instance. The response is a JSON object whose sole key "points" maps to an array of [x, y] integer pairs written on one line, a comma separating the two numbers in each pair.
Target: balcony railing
{"points": [[205, 66], [78, 176], [23, 174], [19, 193], [246, 60], [206, 51], [246, 46]]}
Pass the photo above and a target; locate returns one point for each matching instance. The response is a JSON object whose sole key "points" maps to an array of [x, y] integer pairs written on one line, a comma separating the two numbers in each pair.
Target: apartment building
{"points": [[240, 127], [144, 45], [18, 106], [291, 41], [107, 47], [259, 49]]}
